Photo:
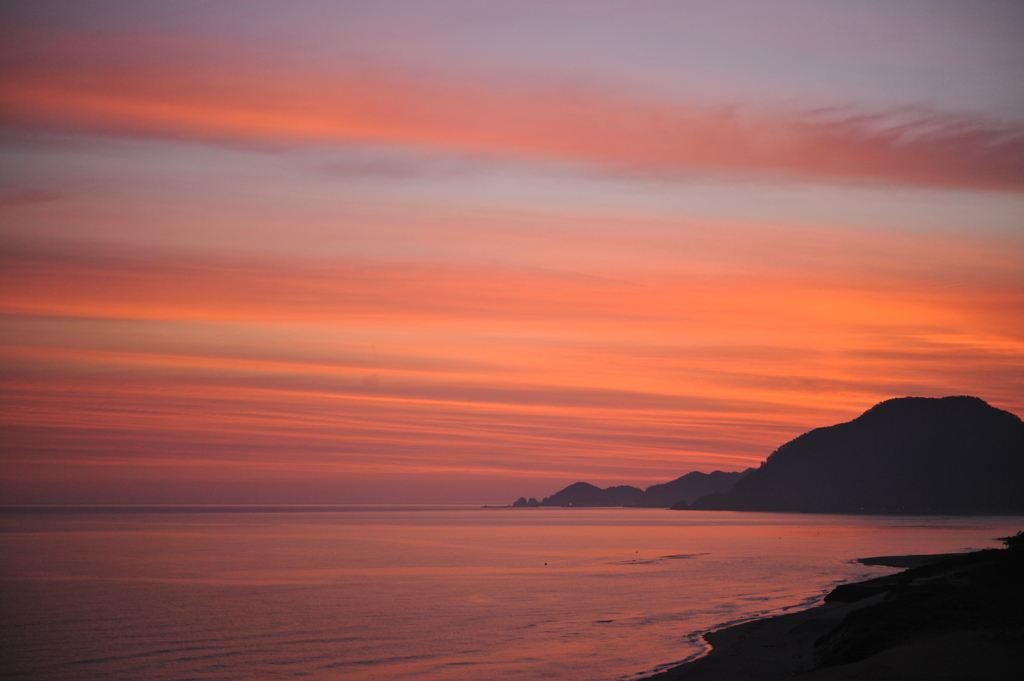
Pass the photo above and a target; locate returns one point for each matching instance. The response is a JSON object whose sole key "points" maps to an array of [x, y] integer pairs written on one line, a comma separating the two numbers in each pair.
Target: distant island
{"points": [[950, 455], [682, 490]]}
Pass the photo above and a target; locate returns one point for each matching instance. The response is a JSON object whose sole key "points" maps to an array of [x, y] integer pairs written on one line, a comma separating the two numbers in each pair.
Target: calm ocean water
{"points": [[417, 593]]}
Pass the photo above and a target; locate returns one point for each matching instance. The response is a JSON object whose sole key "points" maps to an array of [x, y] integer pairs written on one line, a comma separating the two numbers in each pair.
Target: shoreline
{"points": [[731, 640], [944, 616], [701, 638]]}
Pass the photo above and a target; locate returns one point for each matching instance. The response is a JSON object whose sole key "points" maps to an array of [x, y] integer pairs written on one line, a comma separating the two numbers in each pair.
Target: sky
{"points": [[462, 252]]}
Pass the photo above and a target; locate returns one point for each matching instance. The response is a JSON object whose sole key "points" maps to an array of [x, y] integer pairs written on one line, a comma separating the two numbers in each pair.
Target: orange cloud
{"points": [[165, 88], [954, 283], [151, 361]]}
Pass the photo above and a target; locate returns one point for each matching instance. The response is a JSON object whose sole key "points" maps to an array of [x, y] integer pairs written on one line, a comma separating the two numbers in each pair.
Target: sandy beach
{"points": [[944, 617]]}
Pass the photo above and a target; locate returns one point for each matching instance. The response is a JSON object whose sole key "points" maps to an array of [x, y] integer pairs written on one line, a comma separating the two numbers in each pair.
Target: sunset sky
{"points": [[454, 251]]}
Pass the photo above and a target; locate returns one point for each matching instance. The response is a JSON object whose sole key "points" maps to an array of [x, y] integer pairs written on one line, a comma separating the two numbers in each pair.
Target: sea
{"points": [[427, 593]]}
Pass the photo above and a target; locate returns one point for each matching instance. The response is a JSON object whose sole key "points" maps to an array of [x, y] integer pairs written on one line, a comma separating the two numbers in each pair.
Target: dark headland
{"points": [[916, 455], [908, 455], [953, 617]]}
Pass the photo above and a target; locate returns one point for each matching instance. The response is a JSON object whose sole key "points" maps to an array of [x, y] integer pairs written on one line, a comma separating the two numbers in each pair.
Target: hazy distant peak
{"points": [[682, 490]]}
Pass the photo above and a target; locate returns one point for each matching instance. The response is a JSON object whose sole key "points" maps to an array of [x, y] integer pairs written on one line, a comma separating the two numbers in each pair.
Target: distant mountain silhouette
{"points": [[907, 455], [585, 494], [690, 487], [681, 490]]}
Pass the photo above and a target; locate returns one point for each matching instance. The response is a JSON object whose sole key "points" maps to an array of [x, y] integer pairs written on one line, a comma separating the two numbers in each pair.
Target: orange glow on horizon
{"points": [[554, 374]]}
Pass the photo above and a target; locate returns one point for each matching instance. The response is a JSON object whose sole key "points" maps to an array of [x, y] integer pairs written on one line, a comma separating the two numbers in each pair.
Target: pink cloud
{"points": [[165, 88]]}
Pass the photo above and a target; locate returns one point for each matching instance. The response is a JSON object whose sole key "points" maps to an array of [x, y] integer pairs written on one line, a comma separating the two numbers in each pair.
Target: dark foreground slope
{"points": [[958, 618], [980, 593], [951, 455]]}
